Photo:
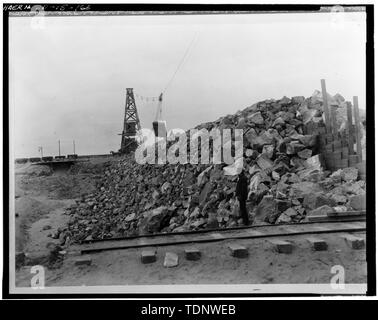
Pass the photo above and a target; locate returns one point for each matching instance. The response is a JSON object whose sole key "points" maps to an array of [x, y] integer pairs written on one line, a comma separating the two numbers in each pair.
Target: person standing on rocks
{"points": [[241, 193]]}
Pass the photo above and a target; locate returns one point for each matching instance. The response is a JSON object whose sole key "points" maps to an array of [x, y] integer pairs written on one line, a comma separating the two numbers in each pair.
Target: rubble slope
{"points": [[286, 181]]}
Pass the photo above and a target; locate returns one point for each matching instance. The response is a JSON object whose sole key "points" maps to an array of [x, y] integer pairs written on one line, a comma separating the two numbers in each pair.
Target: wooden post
{"points": [[325, 106], [350, 128], [333, 120], [357, 126]]}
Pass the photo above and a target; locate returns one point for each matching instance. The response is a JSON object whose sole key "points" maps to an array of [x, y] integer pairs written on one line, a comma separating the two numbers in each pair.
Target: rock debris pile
{"points": [[287, 181]]}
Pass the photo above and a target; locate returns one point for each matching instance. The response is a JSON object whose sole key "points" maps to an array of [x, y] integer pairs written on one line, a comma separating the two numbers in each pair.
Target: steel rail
{"points": [[331, 220], [207, 240]]}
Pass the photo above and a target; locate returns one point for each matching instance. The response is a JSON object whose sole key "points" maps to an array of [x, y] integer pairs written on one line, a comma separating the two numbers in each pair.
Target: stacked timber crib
{"points": [[339, 149]]}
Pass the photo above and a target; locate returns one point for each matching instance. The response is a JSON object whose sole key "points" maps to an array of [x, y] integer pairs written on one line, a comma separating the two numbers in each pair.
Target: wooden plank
{"points": [[358, 127], [333, 121], [347, 213], [317, 244], [83, 261], [360, 224], [142, 242], [148, 256], [282, 246], [316, 218], [354, 242], [255, 233], [350, 128], [353, 225], [320, 228], [238, 251], [319, 217], [291, 230], [217, 236], [192, 254], [325, 106]]}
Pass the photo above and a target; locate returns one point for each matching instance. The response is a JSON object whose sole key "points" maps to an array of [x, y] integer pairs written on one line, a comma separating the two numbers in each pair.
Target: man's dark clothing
{"points": [[242, 195]]}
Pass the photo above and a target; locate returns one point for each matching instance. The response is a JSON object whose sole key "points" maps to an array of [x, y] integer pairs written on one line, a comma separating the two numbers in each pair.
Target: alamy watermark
{"points": [[216, 147], [38, 280], [338, 280]]}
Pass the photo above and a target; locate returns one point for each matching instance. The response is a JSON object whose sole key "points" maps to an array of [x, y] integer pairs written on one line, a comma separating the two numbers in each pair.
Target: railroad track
{"points": [[346, 223]]}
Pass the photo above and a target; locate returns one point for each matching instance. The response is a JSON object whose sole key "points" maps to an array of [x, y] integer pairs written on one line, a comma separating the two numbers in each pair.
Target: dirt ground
{"points": [[216, 266], [40, 202], [41, 197]]}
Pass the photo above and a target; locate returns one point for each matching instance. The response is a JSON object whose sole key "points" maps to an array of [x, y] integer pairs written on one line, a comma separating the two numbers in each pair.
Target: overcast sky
{"points": [[68, 79]]}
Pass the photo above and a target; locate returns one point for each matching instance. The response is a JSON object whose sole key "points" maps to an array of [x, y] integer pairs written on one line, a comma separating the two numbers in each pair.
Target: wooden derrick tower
{"points": [[131, 124]]}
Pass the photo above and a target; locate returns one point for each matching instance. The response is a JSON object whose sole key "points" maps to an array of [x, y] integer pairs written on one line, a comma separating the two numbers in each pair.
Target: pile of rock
{"points": [[285, 174]]}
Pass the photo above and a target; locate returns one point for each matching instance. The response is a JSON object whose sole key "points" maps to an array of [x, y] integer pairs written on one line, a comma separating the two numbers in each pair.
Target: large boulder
{"points": [[287, 216], [321, 211], [204, 193], [212, 222], [318, 199], [349, 174], [269, 209], [283, 218], [300, 189], [152, 220], [282, 205], [308, 140], [339, 198], [357, 187], [266, 208], [294, 147], [263, 139], [358, 202], [305, 153], [171, 260], [256, 118]]}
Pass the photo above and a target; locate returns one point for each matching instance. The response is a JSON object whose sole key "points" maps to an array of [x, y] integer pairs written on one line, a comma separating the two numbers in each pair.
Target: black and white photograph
{"points": [[181, 150]]}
